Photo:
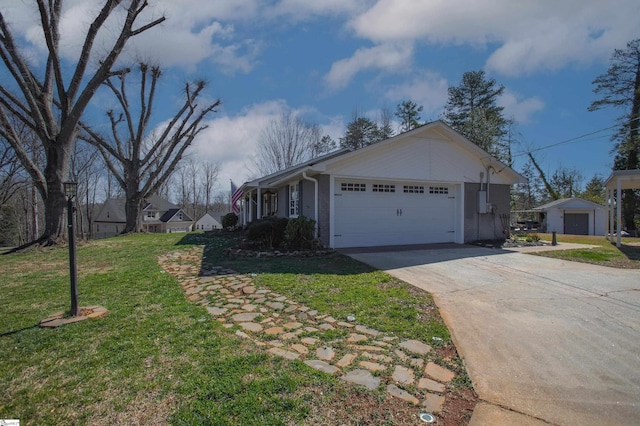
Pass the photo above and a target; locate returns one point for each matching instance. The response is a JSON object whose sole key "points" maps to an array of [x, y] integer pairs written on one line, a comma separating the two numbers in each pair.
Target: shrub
{"points": [[267, 233], [229, 220], [299, 233]]}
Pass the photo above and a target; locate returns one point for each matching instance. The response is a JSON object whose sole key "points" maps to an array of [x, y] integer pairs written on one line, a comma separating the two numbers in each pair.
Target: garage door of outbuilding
{"points": [[392, 213], [576, 223]]}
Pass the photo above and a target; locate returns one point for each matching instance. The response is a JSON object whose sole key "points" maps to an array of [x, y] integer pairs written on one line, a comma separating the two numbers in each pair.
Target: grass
{"points": [[157, 358], [605, 253]]}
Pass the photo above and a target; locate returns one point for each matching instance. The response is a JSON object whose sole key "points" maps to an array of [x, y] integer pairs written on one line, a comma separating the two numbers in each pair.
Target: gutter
{"points": [[315, 204]]}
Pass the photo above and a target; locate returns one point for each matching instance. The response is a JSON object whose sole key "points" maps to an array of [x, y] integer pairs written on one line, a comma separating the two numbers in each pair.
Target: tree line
{"points": [[46, 132]]}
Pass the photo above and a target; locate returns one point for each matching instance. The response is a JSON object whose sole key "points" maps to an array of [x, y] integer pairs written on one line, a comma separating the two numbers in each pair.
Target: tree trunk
{"points": [[56, 172], [133, 202]]}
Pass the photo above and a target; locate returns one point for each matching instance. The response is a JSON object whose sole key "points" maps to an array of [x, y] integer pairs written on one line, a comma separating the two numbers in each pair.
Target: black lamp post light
{"points": [[70, 191], [58, 319]]}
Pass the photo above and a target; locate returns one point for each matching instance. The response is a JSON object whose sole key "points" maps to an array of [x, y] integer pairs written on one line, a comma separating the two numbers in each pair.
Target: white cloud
{"points": [[521, 110], [387, 57], [530, 35], [428, 89], [233, 140], [304, 9]]}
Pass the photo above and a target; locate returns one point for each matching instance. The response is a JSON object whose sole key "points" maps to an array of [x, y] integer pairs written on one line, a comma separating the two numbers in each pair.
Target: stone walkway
{"points": [[283, 327]]}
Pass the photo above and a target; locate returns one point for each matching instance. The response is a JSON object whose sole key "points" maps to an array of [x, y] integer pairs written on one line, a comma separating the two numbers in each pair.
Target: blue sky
{"points": [[323, 59]]}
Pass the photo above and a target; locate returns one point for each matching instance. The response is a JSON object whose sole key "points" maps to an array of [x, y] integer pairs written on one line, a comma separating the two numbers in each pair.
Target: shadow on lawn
{"points": [[336, 263], [631, 251]]}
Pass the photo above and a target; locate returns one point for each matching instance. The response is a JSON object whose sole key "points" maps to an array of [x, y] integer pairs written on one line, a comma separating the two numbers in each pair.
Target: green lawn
{"points": [[157, 358], [605, 254]]}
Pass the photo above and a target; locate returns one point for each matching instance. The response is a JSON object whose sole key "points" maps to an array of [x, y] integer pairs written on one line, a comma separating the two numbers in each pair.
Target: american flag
{"points": [[236, 195]]}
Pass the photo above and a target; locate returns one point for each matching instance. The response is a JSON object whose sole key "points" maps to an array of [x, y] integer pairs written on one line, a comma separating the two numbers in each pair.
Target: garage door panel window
{"points": [[439, 190], [353, 187], [383, 188], [413, 189]]}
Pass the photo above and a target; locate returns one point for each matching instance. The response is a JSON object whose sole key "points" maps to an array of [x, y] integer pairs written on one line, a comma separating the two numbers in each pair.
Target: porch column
{"points": [[610, 206], [259, 202], [251, 206], [619, 211]]}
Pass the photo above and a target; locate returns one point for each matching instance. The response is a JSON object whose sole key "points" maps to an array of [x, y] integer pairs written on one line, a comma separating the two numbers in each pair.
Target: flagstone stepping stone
{"points": [[274, 330], [245, 317], [275, 305], [322, 366], [325, 353], [383, 344], [367, 330], [300, 348], [194, 297], [372, 366], [216, 311], [433, 403], [292, 325], [330, 320], [303, 316], [227, 325], [310, 329], [214, 287], [289, 336], [393, 390], [401, 355], [441, 374], [362, 377], [291, 308], [417, 362], [368, 348], [303, 308], [430, 385], [403, 375], [234, 300], [260, 300], [378, 357], [251, 326], [312, 313], [346, 360], [248, 289], [231, 306], [309, 341], [415, 346], [326, 326], [263, 291], [355, 338], [283, 353], [345, 324], [242, 334], [280, 299], [249, 307], [276, 343]]}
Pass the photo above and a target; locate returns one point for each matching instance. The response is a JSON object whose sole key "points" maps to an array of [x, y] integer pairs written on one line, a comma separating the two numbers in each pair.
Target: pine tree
{"points": [[472, 110], [408, 112]]}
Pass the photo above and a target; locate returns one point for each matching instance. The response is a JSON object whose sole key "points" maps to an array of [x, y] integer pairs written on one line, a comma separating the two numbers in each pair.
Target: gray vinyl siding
{"points": [[324, 202], [487, 226]]}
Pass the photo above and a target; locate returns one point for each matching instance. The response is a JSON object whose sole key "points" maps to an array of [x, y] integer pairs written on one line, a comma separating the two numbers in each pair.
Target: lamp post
{"points": [[70, 191]]}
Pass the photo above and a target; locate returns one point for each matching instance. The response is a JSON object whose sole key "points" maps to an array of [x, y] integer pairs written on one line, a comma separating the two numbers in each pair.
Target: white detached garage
{"points": [[428, 185], [575, 216]]}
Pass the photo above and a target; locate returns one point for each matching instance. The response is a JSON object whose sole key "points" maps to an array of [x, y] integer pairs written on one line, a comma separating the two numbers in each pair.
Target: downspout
{"points": [[315, 203]]}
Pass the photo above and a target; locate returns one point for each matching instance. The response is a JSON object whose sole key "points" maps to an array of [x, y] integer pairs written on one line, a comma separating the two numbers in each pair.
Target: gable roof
{"points": [[320, 164], [155, 202], [580, 203], [114, 208], [170, 214], [207, 217]]}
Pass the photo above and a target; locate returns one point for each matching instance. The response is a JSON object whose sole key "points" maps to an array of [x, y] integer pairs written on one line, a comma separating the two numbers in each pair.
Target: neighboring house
{"points": [[157, 216], [207, 223], [428, 185], [575, 216]]}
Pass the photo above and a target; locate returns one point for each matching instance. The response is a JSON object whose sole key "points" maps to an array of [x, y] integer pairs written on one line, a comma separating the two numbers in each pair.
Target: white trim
{"points": [[332, 210]]}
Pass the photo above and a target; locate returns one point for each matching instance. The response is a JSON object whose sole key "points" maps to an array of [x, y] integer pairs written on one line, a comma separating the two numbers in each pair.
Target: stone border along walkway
{"points": [[291, 330]]}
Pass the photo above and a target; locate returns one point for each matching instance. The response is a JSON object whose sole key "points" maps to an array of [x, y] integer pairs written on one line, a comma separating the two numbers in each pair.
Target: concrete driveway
{"points": [[547, 340]]}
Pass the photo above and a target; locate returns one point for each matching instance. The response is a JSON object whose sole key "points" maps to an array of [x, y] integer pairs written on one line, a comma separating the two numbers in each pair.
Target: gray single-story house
{"points": [[575, 216], [157, 216], [428, 185], [207, 223]]}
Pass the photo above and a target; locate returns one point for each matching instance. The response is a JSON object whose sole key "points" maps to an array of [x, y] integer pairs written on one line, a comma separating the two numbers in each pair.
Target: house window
{"points": [[107, 214], [438, 190], [180, 216], [151, 215], [413, 189], [383, 188], [294, 195], [353, 187]]}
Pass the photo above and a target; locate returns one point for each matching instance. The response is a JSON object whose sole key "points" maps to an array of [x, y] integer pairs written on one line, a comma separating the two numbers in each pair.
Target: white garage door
{"points": [[391, 213]]}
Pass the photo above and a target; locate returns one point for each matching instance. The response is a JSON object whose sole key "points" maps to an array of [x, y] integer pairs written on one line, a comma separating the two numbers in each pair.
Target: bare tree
{"points": [[209, 176], [52, 103], [142, 160], [287, 141]]}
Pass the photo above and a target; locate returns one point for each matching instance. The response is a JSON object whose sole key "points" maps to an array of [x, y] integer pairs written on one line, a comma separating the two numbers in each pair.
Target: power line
{"points": [[574, 139]]}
